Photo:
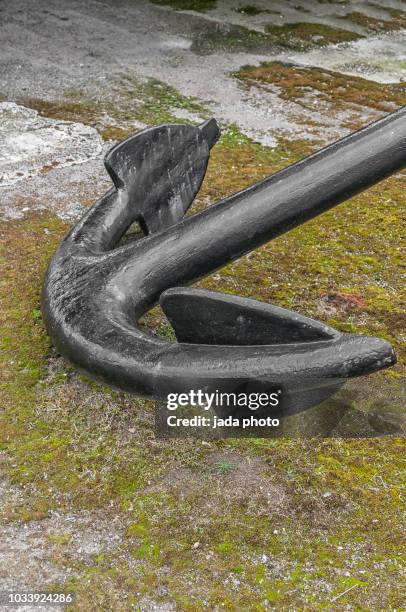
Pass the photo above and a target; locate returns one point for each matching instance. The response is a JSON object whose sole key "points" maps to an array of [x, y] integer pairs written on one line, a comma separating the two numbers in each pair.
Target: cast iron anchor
{"points": [[96, 290]]}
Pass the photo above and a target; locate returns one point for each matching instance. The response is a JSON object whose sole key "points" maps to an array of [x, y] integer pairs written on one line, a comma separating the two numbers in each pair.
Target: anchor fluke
{"points": [[160, 170], [206, 317]]}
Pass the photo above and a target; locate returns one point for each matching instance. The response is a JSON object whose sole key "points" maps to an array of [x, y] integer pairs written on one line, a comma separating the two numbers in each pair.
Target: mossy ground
{"points": [[340, 91], [265, 536], [396, 21], [233, 524], [306, 35], [215, 36]]}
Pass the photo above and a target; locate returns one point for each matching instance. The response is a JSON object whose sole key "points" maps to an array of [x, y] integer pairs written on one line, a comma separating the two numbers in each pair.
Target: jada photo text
{"points": [[197, 409]]}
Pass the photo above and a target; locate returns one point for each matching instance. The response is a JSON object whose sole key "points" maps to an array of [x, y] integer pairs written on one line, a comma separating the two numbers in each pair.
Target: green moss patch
{"points": [[216, 36], [303, 36], [189, 5], [396, 21], [213, 36], [295, 82], [251, 10]]}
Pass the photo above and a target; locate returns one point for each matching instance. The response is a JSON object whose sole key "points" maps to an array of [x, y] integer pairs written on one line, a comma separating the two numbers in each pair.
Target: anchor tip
{"points": [[210, 131]]}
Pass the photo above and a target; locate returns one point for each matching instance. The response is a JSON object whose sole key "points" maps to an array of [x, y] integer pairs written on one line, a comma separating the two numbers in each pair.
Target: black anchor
{"points": [[95, 290]]}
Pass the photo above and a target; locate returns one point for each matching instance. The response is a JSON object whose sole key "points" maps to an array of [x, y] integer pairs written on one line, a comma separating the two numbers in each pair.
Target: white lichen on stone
{"points": [[31, 144]]}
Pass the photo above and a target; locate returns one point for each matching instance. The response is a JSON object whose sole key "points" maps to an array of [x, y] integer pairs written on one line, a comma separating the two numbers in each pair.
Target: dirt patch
{"points": [[247, 480], [232, 477], [332, 303]]}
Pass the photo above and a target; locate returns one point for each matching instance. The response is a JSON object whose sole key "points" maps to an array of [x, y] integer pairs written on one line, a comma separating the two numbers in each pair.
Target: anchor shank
{"points": [[209, 240]]}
